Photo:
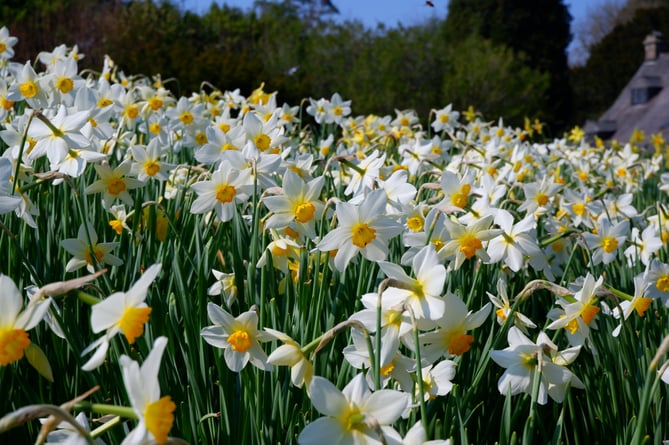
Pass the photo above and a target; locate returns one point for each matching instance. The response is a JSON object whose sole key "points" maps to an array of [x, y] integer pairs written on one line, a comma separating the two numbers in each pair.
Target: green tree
{"points": [[538, 32], [494, 80]]}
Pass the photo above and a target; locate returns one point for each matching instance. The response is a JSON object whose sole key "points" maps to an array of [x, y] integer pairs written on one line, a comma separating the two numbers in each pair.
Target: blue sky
{"points": [[389, 12]]}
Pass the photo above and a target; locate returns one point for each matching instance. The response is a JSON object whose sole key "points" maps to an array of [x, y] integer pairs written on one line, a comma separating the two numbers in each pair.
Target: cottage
{"points": [[644, 102]]}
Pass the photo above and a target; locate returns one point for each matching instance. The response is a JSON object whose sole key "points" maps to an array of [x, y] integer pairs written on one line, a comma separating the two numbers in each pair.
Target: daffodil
{"points": [[149, 162], [154, 413], [423, 293], [239, 337], [223, 192], [577, 314], [639, 304], [363, 228], [89, 255], [467, 241], [114, 183], [225, 286], [657, 277], [437, 379], [299, 206], [15, 323], [7, 43], [451, 336], [352, 416], [608, 240], [57, 139], [124, 312], [504, 311], [291, 354], [524, 358]]}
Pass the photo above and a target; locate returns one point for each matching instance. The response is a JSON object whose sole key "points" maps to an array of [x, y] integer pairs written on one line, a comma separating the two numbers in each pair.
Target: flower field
{"points": [[225, 269]]}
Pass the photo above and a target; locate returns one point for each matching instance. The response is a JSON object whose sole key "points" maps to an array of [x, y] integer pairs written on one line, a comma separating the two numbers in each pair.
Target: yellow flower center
{"points": [[641, 305], [3, 47], [459, 199], [154, 128], [131, 111], [588, 312], [155, 103], [386, 370], [262, 141], [105, 102], [225, 193], [438, 244], [228, 146], [240, 340], [6, 104], [117, 225], [28, 89], [151, 168], [578, 208], [201, 138], [186, 117], [12, 344], [278, 250], [501, 313], [304, 212], [415, 223], [444, 118], [662, 284], [291, 232], [352, 419], [542, 199], [159, 417], [609, 244], [132, 322], [469, 244], [98, 255], [338, 111], [363, 235], [64, 85], [459, 344], [115, 186]]}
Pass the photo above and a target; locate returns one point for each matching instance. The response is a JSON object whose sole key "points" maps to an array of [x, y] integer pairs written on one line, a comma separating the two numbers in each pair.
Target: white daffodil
{"points": [[503, 310], [15, 323], [290, 354], [467, 241], [607, 241], [299, 206], [81, 249], [225, 286], [226, 188], [57, 140], [523, 357], [657, 277], [239, 337], [577, 314], [149, 161], [423, 293], [638, 303], [155, 413], [114, 183], [517, 241], [437, 379], [450, 337], [124, 312], [352, 416], [363, 228]]}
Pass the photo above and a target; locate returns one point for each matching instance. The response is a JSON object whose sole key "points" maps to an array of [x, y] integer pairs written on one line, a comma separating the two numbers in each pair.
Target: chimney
{"points": [[653, 45]]}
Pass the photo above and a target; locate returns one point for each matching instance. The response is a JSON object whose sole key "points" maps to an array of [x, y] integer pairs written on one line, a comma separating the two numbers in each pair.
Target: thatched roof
{"points": [[643, 103]]}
